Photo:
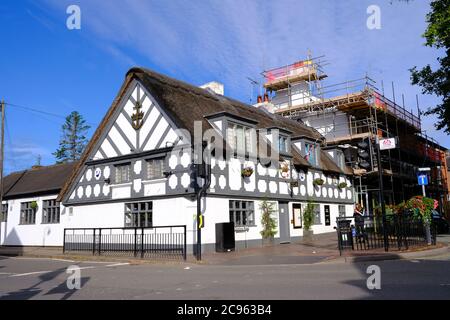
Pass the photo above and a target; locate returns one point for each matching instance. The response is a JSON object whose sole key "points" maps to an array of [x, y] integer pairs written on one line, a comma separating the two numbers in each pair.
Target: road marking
{"points": [[89, 267], [29, 273], [118, 264]]}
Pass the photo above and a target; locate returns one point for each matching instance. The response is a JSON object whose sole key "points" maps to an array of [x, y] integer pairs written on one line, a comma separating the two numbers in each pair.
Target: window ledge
{"points": [[125, 184], [154, 181]]}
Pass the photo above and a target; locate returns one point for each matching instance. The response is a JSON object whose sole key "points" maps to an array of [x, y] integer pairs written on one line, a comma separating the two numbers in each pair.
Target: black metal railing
{"points": [[165, 242], [367, 233]]}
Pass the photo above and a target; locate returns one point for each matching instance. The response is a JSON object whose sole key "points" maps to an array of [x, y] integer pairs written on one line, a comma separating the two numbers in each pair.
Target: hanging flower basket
{"points": [[342, 185], [33, 205], [284, 170], [246, 172], [318, 182]]}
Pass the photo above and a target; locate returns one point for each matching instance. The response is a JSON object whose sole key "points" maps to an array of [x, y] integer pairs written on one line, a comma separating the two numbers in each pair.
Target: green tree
{"points": [[73, 139], [437, 81], [308, 216], [268, 222]]}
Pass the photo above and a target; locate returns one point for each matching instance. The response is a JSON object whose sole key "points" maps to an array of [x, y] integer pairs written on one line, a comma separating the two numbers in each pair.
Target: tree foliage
{"points": [[73, 139], [268, 222], [437, 35]]}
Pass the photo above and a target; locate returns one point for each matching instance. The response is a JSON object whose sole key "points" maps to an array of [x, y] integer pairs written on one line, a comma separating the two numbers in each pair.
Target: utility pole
{"points": [[381, 196], [2, 145]]}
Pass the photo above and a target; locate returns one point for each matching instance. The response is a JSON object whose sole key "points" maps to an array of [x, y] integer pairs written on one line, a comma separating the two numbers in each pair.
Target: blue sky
{"points": [[48, 67]]}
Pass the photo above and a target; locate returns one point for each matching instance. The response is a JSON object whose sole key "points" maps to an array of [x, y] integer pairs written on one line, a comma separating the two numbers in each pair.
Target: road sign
{"points": [[386, 144], [422, 179], [425, 169]]}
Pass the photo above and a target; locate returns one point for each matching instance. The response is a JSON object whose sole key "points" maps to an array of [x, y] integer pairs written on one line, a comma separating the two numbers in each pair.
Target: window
{"points": [[239, 138], [155, 169], [139, 214], [4, 214], [317, 218], [123, 173], [341, 210], [28, 212], [50, 211], [242, 213], [310, 153], [283, 144], [297, 213]]}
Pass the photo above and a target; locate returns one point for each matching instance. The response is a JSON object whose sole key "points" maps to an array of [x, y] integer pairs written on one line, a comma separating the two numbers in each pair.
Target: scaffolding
{"points": [[309, 71]]}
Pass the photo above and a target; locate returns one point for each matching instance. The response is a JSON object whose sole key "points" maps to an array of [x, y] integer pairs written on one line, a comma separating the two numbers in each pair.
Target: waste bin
{"points": [[345, 234], [225, 237]]}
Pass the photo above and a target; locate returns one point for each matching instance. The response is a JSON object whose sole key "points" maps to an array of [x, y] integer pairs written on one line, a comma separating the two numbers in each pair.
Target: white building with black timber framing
{"points": [[137, 168]]}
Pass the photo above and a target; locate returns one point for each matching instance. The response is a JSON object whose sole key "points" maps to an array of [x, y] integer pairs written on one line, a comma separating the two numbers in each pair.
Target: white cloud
{"points": [[230, 40]]}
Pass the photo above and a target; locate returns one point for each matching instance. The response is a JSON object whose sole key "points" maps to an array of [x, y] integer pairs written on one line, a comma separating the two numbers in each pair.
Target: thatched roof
{"points": [[185, 103]]}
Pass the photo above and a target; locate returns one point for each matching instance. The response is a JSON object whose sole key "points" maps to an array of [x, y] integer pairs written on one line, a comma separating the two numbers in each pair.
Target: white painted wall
{"points": [[15, 234]]}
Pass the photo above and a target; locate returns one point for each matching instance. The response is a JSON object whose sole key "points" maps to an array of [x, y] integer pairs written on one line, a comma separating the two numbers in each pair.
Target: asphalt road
{"points": [[27, 278]]}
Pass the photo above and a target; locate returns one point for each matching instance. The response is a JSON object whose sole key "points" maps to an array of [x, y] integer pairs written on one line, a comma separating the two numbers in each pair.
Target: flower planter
{"points": [[342, 185], [247, 172], [318, 182]]}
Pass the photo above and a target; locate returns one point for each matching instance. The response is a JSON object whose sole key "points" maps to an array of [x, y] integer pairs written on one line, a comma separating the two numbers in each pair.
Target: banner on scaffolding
{"points": [[387, 144]]}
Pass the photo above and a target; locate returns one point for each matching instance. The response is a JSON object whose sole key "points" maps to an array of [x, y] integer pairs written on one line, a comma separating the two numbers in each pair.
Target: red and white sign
{"points": [[386, 144]]}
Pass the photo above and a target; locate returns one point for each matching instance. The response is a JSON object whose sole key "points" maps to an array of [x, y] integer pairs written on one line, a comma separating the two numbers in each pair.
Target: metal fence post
{"points": [[100, 242], [135, 242], [93, 243], [185, 244], [64, 241], [142, 242]]}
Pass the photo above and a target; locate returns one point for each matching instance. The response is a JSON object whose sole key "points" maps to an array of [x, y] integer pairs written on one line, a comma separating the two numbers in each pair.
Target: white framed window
{"points": [[123, 173], [28, 212], [311, 153], [341, 209], [242, 213], [239, 138], [283, 144], [317, 214], [155, 168], [50, 211], [139, 214]]}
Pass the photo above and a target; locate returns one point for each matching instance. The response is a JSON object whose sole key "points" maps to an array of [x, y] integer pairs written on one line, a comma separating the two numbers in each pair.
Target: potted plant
{"points": [[342, 185], [246, 172], [318, 182], [268, 222], [308, 221]]}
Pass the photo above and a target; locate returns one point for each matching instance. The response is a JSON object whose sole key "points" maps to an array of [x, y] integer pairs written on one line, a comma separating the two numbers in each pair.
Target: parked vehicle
{"points": [[442, 225]]}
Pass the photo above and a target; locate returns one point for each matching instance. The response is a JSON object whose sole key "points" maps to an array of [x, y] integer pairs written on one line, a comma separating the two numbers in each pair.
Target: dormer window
{"points": [[311, 153], [283, 144], [239, 138]]}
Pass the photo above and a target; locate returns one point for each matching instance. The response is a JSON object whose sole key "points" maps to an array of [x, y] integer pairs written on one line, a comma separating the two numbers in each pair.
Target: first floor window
{"points": [[139, 214], [310, 153], [28, 212], [242, 213], [50, 211], [4, 214], [123, 173], [155, 168], [282, 144], [341, 210], [239, 138]]}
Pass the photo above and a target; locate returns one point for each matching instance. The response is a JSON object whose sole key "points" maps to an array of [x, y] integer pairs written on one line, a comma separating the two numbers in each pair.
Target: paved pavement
{"points": [[31, 278], [321, 248]]}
